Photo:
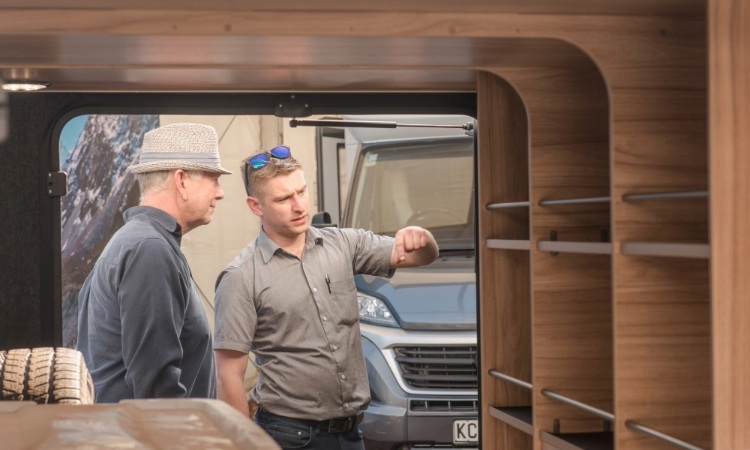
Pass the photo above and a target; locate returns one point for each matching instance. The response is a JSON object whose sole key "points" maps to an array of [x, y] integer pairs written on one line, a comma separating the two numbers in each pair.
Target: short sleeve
{"points": [[235, 315]]}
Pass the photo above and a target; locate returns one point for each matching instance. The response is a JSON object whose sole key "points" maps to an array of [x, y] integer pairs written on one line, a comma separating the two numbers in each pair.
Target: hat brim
{"points": [[155, 166]]}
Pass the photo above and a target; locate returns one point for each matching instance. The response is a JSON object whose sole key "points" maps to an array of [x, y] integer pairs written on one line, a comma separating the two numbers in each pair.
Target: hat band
{"points": [[193, 157]]}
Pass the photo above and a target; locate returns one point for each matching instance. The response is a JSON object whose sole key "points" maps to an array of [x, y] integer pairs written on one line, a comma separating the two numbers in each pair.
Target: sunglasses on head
{"points": [[260, 160]]}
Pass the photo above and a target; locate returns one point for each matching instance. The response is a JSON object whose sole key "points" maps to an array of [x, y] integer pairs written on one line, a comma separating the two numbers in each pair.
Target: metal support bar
{"points": [[665, 195], [510, 379], [370, 124], [574, 201], [661, 436], [582, 406], [507, 205]]}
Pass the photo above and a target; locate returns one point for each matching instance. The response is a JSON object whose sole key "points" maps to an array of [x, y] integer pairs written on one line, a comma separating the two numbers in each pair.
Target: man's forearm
{"points": [[232, 391]]}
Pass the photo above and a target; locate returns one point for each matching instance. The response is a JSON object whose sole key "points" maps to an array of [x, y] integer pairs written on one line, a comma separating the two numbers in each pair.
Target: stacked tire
{"points": [[45, 375]]}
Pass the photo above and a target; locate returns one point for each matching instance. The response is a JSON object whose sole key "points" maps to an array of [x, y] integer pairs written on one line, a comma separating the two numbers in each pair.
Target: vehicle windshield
{"points": [[424, 183]]}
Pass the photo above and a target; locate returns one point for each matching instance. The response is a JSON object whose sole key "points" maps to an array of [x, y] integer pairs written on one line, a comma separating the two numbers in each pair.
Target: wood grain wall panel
{"points": [[729, 76], [571, 294], [684, 220], [663, 336], [569, 134], [659, 144], [661, 305], [504, 290], [572, 338]]}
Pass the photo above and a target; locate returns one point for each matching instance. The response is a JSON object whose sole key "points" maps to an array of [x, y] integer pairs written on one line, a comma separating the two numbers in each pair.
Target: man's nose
{"points": [[297, 202]]}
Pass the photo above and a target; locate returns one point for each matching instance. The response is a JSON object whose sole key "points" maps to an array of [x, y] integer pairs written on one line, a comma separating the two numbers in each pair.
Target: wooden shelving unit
{"points": [[571, 277], [506, 321], [664, 384], [595, 263]]}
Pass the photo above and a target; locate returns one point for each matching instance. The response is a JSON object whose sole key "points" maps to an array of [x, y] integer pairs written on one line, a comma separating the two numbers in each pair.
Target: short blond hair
{"points": [[255, 178]]}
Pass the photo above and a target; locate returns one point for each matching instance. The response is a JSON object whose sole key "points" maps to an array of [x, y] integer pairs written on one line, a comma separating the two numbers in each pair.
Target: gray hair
{"points": [[156, 181]]}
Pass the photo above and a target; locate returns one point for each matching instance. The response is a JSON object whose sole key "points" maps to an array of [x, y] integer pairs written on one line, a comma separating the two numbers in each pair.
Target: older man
{"points": [[141, 326]]}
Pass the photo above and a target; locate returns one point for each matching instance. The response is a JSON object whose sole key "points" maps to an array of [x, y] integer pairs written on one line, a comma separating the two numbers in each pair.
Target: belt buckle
{"points": [[341, 425]]}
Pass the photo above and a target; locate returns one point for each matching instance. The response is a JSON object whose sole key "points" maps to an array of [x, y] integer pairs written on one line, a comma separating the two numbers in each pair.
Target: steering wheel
{"points": [[420, 216]]}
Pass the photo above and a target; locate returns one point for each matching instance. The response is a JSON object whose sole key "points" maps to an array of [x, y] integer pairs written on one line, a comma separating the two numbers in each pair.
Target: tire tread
{"points": [[45, 375]]}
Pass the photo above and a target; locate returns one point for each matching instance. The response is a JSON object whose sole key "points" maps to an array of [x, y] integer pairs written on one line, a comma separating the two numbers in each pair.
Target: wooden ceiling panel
{"points": [[259, 63], [616, 7], [247, 45], [221, 79]]}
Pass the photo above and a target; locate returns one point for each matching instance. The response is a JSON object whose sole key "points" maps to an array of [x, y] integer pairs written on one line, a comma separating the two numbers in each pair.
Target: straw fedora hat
{"points": [[186, 146]]}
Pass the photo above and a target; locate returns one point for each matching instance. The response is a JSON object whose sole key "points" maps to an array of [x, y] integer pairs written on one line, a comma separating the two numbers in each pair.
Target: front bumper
{"points": [[397, 419]]}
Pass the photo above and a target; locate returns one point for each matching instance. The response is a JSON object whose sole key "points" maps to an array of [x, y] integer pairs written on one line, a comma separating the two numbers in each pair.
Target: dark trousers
{"points": [[295, 434]]}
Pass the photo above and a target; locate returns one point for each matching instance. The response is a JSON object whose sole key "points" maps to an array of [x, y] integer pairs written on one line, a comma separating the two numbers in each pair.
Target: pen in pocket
{"points": [[328, 283]]}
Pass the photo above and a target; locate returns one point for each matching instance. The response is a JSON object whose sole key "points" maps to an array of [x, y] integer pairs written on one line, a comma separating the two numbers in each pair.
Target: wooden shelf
{"points": [[509, 244], [579, 441], [519, 417], [593, 248], [677, 250]]}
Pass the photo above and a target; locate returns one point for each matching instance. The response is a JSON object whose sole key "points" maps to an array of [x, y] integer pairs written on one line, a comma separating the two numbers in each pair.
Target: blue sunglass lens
{"points": [[258, 161], [280, 152]]}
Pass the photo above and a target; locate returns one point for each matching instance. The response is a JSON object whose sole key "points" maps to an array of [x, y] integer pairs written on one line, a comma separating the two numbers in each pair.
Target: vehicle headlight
{"points": [[373, 310]]}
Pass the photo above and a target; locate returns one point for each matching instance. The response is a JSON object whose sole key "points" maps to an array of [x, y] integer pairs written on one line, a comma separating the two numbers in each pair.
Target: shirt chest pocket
{"points": [[344, 299]]}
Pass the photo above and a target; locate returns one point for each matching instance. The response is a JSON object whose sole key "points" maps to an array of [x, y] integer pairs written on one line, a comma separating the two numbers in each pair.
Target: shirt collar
{"points": [[268, 247], [160, 216]]}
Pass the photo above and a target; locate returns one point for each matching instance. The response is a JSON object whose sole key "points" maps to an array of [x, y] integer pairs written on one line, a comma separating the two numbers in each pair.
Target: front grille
{"points": [[462, 406], [446, 367]]}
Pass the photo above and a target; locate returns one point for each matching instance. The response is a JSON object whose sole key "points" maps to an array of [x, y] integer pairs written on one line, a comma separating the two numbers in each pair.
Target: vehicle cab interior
{"points": [[610, 166]]}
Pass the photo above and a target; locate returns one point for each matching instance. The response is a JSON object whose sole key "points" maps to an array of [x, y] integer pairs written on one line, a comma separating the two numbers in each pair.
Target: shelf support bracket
{"points": [[553, 237]]}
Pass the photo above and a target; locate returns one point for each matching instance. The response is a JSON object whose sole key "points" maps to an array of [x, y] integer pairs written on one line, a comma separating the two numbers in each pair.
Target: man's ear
{"points": [[178, 180], [255, 206]]}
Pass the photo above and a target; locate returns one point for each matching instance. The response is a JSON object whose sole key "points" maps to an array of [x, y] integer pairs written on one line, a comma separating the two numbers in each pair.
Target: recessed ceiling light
{"points": [[24, 85]]}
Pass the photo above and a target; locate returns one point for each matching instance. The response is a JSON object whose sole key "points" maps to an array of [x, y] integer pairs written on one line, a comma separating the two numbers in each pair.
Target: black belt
{"points": [[336, 425]]}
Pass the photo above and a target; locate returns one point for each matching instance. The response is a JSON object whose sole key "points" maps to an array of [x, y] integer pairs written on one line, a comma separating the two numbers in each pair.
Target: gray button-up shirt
{"points": [[142, 328], [301, 319]]}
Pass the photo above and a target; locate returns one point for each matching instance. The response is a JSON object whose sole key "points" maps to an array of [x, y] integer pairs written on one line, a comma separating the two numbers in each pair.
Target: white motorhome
{"points": [[419, 327]]}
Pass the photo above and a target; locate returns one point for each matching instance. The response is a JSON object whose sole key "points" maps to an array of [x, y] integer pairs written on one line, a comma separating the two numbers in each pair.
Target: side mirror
{"points": [[322, 219]]}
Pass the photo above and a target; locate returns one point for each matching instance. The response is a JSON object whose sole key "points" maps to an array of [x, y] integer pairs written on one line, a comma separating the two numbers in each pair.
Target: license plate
{"points": [[466, 431]]}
